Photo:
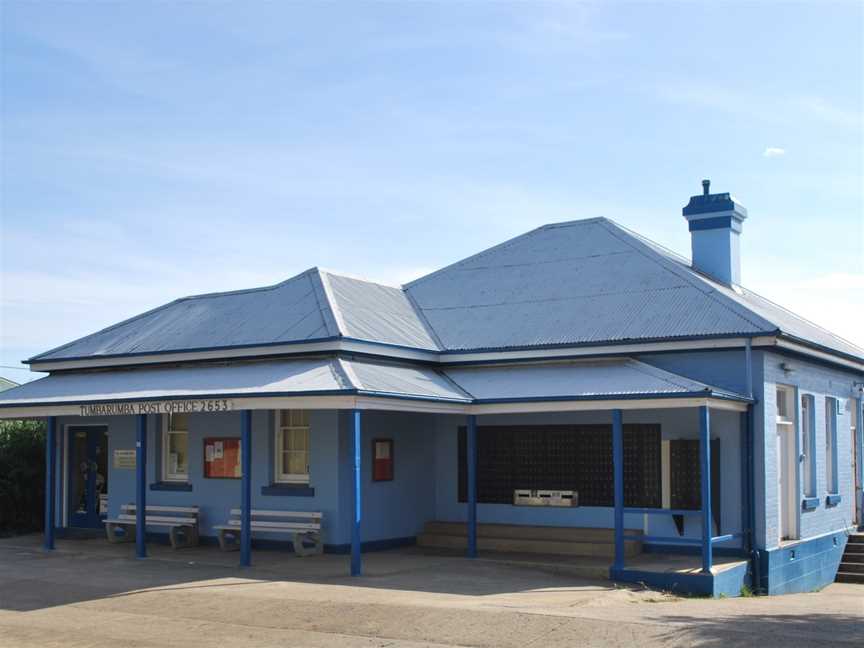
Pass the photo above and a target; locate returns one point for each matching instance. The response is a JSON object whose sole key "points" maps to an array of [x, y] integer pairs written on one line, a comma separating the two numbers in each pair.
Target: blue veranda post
{"points": [[471, 452], [705, 466], [141, 487], [356, 564], [246, 488], [50, 467], [618, 479]]}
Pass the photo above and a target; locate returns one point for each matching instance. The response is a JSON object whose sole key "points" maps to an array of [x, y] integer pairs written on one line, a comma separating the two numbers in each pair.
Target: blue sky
{"points": [[154, 150]]}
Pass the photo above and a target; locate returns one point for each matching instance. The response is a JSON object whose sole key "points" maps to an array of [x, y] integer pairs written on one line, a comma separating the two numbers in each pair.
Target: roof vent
{"points": [[715, 227]]}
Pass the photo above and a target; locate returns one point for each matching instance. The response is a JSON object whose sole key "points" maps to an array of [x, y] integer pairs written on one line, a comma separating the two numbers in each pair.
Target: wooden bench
{"points": [[181, 521], [303, 527]]}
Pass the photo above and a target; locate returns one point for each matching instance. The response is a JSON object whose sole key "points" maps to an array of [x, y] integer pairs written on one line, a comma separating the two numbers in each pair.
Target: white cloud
{"points": [[773, 151]]}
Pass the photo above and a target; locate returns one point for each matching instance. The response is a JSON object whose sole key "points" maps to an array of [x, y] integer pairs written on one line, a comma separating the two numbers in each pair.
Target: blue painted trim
{"points": [[720, 222], [705, 393], [288, 490], [833, 499], [810, 503], [663, 539], [356, 451], [246, 488], [691, 550], [471, 452], [618, 470], [661, 511], [705, 473], [171, 486], [141, 487], [50, 469]]}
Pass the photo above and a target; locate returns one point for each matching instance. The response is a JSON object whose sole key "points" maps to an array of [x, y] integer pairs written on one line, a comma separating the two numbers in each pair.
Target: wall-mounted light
{"points": [[787, 368]]}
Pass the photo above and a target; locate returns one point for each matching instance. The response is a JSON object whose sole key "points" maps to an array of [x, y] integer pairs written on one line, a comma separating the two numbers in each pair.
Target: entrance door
{"points": [[88, 475], [787, 512]]}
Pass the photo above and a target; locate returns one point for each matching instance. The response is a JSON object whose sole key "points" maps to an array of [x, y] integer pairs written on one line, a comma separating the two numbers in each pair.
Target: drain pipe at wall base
{"points": [[755, 566]]}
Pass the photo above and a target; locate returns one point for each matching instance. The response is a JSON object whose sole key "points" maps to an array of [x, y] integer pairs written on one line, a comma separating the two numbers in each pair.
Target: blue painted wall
{"points": [[803, 566], [820, 382], [674, 423]]}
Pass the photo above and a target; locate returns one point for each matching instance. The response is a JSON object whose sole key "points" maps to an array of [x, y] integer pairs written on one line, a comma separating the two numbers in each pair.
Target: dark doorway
{"points": [[88, 475]]}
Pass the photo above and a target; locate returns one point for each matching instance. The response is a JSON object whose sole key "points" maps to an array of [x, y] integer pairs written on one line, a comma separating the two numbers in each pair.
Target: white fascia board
{"points": [[803, 349], [604, 350], [414, 405], [400, 353], [589, 405]]}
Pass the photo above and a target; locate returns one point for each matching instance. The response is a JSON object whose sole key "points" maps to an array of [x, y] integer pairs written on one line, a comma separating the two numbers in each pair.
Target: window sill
{"points": [[833, 500], [171, 486], [810, 503], [288, 490]]}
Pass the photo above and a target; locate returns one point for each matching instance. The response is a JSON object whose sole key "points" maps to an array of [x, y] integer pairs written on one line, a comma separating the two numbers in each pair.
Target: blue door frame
{"points": [[88, 460]]}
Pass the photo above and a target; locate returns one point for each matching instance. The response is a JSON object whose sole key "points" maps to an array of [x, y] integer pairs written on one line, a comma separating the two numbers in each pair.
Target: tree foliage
{"points": [[22, 476]]}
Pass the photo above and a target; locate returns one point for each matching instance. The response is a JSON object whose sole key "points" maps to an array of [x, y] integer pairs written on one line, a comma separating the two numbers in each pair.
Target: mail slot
{"points": [[527, 497]]}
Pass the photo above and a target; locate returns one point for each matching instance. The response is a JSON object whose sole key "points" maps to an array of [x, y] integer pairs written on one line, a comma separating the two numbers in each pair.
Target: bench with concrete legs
{"points": [[303, 527], [181, 522]]}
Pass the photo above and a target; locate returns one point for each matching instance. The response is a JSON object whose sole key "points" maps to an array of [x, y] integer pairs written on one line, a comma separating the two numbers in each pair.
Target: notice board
{"points": [[222, 458]]}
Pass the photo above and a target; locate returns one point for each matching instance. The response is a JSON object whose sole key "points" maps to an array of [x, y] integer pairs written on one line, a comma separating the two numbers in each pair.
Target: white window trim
{"points": [[789, 396], [280, 477], [832, 423], [809, 485], [166, 474]]}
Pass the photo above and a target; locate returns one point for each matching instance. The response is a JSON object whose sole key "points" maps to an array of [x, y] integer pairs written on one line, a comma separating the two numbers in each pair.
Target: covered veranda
{"points": [[610, 389]]}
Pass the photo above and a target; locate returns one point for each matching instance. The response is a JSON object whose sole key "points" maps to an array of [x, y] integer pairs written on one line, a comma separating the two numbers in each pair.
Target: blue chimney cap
{"points": [[707, 203]]}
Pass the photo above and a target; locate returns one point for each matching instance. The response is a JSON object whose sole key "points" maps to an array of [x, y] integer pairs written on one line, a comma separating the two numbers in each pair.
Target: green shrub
{"points": [[22, 476]]}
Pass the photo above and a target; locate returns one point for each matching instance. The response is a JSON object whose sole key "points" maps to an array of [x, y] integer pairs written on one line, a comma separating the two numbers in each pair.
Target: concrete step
{"points": [[853, 557], [529, 546], [851, 568], [512, 531], [845, 577]]}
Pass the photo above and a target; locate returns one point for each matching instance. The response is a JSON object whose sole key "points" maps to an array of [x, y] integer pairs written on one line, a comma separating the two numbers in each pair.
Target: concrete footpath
{"points": [[90, 593]]}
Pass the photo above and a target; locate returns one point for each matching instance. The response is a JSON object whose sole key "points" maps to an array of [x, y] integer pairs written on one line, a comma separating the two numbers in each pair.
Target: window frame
{"points": [[808, 445], [788, 399], [280, 477], [167, 431], [832, 482]]}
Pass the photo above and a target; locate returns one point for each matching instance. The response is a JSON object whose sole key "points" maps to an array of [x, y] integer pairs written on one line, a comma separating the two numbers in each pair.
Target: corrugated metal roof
{"points": [[371, 311], [402, 380], [573, 283], [283, 377], [332, 376], [625, 378], [581, 282], [290, 311]]}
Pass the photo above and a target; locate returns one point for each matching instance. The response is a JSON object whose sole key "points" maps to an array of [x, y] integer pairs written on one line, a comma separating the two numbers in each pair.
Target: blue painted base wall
{"points": [[805, 566], [728, 582]]}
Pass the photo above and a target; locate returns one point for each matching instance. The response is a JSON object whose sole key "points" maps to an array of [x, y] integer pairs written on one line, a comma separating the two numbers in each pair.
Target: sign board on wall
{"points": [[188, 406], [124, 459], [222, 458]]}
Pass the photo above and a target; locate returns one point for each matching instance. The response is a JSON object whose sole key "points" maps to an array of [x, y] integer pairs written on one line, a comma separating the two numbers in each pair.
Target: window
{"points": [[175, 448], [785, 405], [292, 447], [831, 445], [808, 445]]}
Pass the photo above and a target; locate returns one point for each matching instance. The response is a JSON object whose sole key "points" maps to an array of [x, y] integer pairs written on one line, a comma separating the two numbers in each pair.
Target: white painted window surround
{"points": [[175, 447], [291, 447]]}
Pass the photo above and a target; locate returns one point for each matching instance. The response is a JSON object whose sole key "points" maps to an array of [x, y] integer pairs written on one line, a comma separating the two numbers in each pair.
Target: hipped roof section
{"points": [[576, 283], [615, 379]]}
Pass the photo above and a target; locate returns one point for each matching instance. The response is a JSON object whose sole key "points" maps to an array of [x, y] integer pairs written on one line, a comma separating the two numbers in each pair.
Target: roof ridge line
{"points": [[338, 320]]}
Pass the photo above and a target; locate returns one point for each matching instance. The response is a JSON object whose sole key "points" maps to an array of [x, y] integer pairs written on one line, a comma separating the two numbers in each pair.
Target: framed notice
{"points": [[222, 458], [382, 459]]}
